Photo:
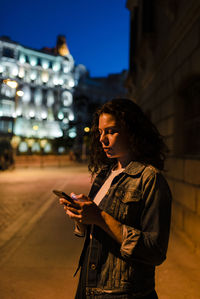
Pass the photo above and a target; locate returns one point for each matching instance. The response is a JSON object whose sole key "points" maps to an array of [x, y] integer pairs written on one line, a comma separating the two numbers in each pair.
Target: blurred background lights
{"points": [[45, 64], [72, 133], [14, 70], [60, 115], [45, 77], [65, 120], [21, 72], [56, 66], [71, 83], [22, 58], [10, 83], [33, 60], [23, 147], [20, 93], [33, 75], [71, 116], [87, 129], [35, 127]]}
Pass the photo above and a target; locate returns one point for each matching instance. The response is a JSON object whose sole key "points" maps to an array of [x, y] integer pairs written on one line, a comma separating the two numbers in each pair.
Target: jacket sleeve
{"points": [[149, 243]]}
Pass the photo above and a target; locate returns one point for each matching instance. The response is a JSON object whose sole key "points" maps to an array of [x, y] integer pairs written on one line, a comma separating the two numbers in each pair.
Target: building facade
{"points": [[164, 79], [36, 94]]}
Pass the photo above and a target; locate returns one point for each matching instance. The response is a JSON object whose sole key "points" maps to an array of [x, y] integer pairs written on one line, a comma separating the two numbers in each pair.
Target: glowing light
{"points": [[45, 77], [20, 93], [55, 80], [56, 66], [31, 113], [71, 116], [22, 58], [61, 81], [33, 60], [65, 121], [30, 142], [35, 127], [60, 115], [44, 114], [27, 94], [45, 64], [10, 83], [43, 142], [33, 75], [15, 141], [87, 129], [21, 72], [14, 70], [1, 68], [67, 98], [71, 83], [23, 147]]}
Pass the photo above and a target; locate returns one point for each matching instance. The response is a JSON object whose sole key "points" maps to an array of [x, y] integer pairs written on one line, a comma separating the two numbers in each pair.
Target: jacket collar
{"points": [[134, 168]]}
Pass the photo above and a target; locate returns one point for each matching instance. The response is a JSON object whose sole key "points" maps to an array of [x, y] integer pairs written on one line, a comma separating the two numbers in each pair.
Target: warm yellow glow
{"points": [[63, 50], [15, 141], [10, 83], [20, 93], [87, 129], [45, 77], [30, 142], [43, 142], [35, 127]]}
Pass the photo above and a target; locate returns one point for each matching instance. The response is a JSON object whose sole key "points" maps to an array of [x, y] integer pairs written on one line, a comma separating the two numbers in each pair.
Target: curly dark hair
{"points": [[146, 143]]}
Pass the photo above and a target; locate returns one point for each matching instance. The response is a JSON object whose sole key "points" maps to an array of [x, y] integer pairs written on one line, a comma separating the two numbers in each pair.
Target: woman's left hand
{"points": [[85, 211]]}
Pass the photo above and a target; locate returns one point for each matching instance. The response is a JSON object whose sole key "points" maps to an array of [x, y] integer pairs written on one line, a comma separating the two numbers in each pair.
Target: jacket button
{"points": [[93, 267]]}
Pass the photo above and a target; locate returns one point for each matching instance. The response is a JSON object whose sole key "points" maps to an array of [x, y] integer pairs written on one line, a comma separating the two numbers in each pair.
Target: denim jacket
{"points": [[140, 199]]}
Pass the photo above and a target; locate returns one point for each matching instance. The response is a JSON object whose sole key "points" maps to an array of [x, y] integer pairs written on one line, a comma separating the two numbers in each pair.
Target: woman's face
{"points": [[113, 138]]}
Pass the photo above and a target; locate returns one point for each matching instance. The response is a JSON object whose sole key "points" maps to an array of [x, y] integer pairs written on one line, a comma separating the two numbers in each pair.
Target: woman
{"points": [[127, 212]]}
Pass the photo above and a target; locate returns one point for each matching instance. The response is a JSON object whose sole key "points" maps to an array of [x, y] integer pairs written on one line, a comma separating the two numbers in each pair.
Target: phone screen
{"points": [[63, 194]]}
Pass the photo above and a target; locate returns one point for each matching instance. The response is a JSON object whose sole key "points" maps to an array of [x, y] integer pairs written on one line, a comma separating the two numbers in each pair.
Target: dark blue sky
{"points": [[97, 31]]}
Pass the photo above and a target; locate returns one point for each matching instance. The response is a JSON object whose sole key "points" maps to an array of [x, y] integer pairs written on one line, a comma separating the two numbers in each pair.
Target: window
{"points": [[8, 52]]}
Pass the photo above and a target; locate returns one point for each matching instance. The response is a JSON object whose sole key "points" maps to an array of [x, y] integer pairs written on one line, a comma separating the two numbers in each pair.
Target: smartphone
{"points": [[63, 194]]}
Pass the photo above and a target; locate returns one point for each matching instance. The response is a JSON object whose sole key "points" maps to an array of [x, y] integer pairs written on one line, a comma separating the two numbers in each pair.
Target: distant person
{"points": [[126, 215]]}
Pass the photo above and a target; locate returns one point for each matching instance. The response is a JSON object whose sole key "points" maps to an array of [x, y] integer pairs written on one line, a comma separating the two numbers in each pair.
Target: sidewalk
{"points": [[23, 190], [179, 276]]}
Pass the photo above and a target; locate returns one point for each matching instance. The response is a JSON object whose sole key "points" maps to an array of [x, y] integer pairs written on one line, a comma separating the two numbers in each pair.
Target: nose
{"points": [[103, 139]]}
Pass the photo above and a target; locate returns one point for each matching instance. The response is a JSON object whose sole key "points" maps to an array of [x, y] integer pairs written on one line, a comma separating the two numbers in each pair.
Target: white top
{"points": [[79, 230], [104, 188]]}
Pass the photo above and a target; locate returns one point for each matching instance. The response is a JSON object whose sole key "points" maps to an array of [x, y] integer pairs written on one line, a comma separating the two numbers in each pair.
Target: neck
{"points": [[122, 163]]}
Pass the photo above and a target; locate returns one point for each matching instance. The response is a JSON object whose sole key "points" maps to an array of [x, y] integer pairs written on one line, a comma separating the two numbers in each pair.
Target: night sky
{"points": [[97, 31]]}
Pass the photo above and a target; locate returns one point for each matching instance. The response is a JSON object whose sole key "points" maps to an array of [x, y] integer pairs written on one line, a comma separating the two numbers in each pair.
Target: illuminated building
{"points": [[39, 107]]}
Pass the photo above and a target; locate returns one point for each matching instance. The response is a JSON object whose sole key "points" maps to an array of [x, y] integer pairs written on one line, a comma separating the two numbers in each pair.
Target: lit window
{"points": [[22, 58], [23, 147], [45, 64], [38, 97], [27, 94], [50, 98], [33, 60], [60, 115], [67, 98], [1, 68], [72, 133], [21, 72], [45, 77], [14, 70], [56, 66], [33, 75]]}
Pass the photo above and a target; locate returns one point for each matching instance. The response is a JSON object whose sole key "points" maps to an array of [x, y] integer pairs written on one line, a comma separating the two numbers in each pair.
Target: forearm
{"points": [[110, 225]]}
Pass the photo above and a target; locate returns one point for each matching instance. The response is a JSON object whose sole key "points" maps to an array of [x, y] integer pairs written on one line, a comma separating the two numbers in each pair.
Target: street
{"points": [[39, 253]]}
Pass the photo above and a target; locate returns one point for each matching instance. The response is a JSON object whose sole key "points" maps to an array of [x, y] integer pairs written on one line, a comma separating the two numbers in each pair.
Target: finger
{"points": [[73, 210]]}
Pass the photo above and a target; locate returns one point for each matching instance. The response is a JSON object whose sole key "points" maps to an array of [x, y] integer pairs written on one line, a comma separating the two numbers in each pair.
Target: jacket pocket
{"points": [[128, 196]]}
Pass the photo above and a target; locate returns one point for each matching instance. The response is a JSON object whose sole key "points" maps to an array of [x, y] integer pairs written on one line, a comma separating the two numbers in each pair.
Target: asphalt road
{"points": [[39, 253]]}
